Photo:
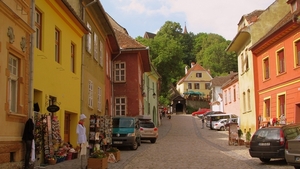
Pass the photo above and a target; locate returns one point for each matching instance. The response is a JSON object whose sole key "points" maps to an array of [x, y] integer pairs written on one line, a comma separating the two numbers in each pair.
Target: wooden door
{"points": [[67, 128]]}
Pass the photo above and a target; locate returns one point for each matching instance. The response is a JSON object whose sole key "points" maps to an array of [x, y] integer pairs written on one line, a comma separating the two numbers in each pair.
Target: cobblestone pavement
{"points": [[183, 144]]}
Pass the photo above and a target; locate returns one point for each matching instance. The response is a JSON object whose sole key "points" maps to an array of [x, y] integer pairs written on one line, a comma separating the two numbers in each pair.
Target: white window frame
{"points": [[90, 92], [96, 47], [101, 53], [13, 65], [89, 39], [99, 96], [120, 106], [120, 72]]}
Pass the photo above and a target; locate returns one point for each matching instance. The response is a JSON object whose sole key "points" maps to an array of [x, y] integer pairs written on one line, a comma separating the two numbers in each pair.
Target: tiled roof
{"points": [[232, 80], [196, 67], [149, 35], [252, 17], [124, 40], [220, 80]]}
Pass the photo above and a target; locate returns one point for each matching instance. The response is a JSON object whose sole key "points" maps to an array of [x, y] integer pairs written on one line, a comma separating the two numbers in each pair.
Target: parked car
{"points": [[292, 152], [267, 143], [200, 111], [230, 121], [148, 131], [219, 125]]}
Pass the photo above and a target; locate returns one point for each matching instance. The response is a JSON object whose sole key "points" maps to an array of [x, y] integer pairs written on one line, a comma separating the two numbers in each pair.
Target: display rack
{"points": [[100, 132]]}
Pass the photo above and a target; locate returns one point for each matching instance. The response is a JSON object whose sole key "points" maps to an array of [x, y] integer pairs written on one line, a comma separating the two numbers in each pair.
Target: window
{"points": [[281, 100], [38, 29], [96, 47], [246, 62], [281, 64], [267, 108], [266, 69], [57, 45], [120, 72], [234, 94], [249, 99], [72, 58], [89, 39], [13, 65], [197, 86], [297, 58], [99, 96], [229, 95], [207, 85], [244, 101], [107, 64], [225, 97], [120, 103], [90, 99], [198, 74], [189, 85], [101, 54]]}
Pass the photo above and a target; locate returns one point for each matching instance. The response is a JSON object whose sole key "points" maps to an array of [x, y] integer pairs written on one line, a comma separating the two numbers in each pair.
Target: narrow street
{"points": [[183, 144]]}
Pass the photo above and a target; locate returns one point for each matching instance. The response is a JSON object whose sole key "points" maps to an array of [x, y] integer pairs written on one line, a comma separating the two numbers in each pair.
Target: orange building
{"points": [[277, 70]]}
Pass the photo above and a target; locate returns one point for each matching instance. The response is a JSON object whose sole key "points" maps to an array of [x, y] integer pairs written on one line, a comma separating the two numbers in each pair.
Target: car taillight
{"points": [[282, 140], [141, 129], [155, 129]]}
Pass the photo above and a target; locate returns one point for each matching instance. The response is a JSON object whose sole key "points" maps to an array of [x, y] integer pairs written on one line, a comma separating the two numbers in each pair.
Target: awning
{"points": [[194, 93]]}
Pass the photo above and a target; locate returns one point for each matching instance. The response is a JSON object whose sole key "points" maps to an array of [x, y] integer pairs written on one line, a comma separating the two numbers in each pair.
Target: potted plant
{"points": [[240, 134], [115, 151], [248, 137], [98, 159]]}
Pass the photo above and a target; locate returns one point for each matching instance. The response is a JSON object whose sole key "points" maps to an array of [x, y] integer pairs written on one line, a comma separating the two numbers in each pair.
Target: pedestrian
{"points": [[203, 122], [28, 137], [81, 136]]}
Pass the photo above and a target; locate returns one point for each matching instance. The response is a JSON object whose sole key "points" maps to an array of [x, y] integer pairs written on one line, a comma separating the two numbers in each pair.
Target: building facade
{"points": [[15, 60], [277, 56]]}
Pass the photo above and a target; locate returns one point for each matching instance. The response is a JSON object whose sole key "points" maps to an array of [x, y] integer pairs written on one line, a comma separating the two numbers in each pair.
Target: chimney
{"points": [[192, 64], [186, 69]]}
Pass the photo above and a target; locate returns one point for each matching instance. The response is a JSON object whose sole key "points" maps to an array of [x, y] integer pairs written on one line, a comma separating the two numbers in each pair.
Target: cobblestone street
{"points": [[183, 144]]}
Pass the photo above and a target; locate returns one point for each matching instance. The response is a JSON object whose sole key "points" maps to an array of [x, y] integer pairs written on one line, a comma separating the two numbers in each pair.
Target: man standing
{"points": [[203, 122]]}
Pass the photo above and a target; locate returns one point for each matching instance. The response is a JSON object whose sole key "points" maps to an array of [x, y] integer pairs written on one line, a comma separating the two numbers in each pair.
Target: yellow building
{"points": [[15, 31], [99, 44], [57, 64], [196, 80]]}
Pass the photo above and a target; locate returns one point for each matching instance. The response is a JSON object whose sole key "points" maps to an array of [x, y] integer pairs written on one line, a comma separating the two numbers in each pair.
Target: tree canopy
{"points": [[171, 50]]}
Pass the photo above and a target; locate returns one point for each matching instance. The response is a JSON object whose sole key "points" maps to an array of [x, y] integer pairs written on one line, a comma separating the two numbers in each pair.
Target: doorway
{"points": [[297, 113], [67, 128]]}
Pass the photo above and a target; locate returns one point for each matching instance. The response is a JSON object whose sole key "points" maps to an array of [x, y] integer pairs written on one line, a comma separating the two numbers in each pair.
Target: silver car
{"points": [[292, 152], [148, 131], [219, 125]]}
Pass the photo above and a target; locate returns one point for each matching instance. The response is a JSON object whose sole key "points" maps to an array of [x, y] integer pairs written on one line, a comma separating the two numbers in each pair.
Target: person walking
{"points": [[203, 122], [28, 137]]}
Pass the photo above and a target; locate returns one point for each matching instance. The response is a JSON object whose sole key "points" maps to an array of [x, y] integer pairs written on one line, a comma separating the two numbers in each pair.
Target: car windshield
{"points": [[147, 125], [270, 134], [125, 123]]}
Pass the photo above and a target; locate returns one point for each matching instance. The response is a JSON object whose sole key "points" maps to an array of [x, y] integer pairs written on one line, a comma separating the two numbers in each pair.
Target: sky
{"points": [[200, 16]]}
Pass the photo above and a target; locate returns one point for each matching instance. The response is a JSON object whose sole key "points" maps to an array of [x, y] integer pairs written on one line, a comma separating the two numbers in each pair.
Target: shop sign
{"points": [[53, 108]]}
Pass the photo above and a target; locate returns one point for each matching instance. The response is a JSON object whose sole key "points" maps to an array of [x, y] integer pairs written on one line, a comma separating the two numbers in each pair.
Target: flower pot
{"points": [[247, 144], [51, 161], [97, 163], [116, 154]]}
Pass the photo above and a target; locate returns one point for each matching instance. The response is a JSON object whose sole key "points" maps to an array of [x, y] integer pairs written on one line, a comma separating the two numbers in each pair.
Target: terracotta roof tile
{"points": [[220, 80]]}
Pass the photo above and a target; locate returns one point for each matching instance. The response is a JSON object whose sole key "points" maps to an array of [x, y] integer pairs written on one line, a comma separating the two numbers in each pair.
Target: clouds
{"points": [[218, 16]]}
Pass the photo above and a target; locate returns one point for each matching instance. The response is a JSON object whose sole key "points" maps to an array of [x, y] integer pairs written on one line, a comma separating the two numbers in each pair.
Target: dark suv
{"points": [[267, 143]]}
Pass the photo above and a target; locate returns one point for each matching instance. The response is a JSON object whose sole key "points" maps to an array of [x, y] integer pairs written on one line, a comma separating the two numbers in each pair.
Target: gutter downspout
{"points": [[112, 84], [31, 52]]}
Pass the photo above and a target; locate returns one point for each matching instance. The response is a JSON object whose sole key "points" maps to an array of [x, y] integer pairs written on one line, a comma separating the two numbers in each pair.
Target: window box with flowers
{"points": [[98, 160]]}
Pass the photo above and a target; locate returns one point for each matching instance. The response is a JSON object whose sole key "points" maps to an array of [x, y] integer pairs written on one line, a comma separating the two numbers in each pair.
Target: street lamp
{"points": [[153, 95]]}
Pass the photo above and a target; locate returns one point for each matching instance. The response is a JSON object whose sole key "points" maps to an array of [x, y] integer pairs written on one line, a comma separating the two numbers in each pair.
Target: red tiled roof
{"points": [[196, 67]]}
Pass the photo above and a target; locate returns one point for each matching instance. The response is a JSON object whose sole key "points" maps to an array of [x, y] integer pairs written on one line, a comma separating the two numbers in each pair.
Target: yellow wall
{"points": [[57, 79]]}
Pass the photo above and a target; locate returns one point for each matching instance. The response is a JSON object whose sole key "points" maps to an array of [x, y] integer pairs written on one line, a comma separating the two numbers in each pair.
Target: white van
{"points": [[211, 119]]}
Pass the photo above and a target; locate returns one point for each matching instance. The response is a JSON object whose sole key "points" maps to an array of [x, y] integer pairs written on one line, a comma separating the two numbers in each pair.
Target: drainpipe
{"points": [[31, 52], [112, 83]]}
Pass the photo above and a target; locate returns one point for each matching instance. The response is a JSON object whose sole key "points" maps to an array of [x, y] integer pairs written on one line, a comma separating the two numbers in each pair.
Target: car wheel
{"points": [[135, 145], [222, 128], [296, 167], [153, 140], [265, 160]]}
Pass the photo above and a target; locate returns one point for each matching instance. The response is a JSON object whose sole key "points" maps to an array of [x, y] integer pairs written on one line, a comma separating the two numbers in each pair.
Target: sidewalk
{"points": [[125, 155]]}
